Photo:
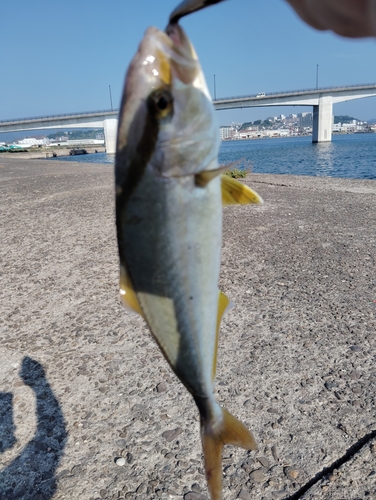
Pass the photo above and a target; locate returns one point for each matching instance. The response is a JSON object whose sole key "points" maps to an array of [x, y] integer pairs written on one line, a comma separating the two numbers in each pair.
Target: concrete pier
{"points": [[83, 384], [323, 120], [110, 133]]}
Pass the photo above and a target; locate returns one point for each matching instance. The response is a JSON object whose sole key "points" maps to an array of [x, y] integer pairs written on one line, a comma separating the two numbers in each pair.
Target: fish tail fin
{"points": [[215, 434]]}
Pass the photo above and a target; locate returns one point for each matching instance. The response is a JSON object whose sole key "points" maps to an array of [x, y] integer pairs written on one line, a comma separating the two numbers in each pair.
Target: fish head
{"points": [[166, 120]]}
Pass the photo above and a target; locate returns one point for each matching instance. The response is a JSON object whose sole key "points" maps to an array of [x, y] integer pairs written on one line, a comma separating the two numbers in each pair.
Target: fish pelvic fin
{"points": [[127, 294], [237, 193], [214, 435], [203, 178]]}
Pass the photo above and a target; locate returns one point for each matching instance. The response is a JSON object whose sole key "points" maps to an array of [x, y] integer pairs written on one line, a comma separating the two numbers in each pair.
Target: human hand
{"points": [[349, 18]]}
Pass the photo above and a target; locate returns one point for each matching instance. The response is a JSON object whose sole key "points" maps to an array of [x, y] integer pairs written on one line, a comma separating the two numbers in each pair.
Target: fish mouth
{"points": [[165, 56]]}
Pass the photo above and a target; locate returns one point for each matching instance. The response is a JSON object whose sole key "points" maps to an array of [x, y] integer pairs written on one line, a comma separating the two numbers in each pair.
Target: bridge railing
{"points": [[63, 115], [364, 86]]}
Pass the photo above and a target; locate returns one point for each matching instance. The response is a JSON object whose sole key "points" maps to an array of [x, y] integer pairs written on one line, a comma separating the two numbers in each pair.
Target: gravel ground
{"points": [[89, 409]]}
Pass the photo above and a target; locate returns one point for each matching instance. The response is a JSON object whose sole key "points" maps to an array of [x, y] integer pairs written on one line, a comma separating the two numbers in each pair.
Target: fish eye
{"points": [[160, 103]]}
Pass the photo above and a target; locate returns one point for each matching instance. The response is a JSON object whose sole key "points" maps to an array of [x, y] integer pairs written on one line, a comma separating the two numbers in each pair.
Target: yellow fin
{"points": [[127, 294], [214, 436], [237, 193], [223, 305], [206, 176]]}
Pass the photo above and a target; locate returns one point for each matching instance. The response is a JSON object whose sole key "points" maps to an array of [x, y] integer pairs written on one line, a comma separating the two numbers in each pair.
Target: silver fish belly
{"points": [[173, 241]]}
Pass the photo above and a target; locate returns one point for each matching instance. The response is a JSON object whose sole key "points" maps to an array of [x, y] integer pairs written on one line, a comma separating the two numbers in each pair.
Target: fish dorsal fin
{"points": [[237, 193], [127, 294], [223, 305], [203, 178]]}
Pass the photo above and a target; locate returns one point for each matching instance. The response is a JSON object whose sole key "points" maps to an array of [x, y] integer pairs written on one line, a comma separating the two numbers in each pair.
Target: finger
{"points": [[349, 18]]}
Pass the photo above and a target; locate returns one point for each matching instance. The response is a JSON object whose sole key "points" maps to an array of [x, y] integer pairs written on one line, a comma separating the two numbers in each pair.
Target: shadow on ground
{"points": [[32, 474]]}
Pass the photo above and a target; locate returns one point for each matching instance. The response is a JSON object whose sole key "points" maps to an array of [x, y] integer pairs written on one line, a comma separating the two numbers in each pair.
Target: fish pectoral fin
{"points": [[214, 436], [223, 305], [203, 178], [127, 294], [237, 193]]}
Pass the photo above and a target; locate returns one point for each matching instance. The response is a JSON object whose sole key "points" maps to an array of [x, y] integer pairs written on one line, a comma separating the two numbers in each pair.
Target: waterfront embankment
{"points": [[84, 384], [43, 153]]}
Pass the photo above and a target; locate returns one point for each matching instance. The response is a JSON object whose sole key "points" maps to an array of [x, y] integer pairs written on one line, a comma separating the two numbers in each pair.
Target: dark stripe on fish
{"points": [[140, 158]]}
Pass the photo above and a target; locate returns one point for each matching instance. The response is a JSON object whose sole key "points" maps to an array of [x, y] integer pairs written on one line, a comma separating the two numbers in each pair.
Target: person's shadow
{"points": [[31, 476]]}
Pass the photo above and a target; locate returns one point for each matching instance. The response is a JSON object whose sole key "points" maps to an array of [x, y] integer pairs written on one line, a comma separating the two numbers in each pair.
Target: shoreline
{"points": [[334, 134], [45, 153]]}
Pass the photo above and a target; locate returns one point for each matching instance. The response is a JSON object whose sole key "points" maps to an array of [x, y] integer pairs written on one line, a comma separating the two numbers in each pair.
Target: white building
{"points": [[225, 132], [247, 134], [353, 126], [33, 141]]}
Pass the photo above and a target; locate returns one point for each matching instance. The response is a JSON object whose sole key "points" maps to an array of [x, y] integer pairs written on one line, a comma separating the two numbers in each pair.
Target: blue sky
{"points": [[60, 57]]}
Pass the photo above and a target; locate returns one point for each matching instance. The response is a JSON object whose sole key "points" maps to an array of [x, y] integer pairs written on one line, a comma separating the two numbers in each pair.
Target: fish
{"points": [[188, 7], [170, 192]]}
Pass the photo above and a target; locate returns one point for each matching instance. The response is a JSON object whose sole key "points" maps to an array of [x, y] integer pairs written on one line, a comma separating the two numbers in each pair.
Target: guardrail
{"points": [[365, 86], [64, 115]]}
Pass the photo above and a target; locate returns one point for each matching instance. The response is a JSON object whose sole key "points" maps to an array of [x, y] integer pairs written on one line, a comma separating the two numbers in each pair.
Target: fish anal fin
{"points": [[223, 305], [237, 193], [127, 294], [214, 436]]}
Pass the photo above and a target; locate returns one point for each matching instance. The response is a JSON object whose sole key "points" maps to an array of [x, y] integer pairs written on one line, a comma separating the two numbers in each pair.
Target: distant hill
{"points": [[344, 119], [373, 120], [264, 123], [246, 125], [268, 123], [77, 134]]}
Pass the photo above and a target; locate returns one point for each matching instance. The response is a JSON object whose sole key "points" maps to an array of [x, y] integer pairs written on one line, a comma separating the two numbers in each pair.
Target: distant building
{"points": [[227, 132], [62, 138], [351, 127], [247, 134], [305, 120], [33, 141]]}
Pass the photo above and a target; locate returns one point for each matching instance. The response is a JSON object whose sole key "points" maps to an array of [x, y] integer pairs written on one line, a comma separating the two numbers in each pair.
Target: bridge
{"points": [[93, 119], [321, 99]]}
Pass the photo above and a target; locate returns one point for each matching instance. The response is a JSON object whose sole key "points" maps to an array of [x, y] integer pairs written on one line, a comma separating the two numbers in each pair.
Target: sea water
{"points": [[352, 156]]}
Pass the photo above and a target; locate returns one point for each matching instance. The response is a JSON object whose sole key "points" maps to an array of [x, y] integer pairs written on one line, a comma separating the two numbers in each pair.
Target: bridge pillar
{"points": [[110, 132], [323, 120]]}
